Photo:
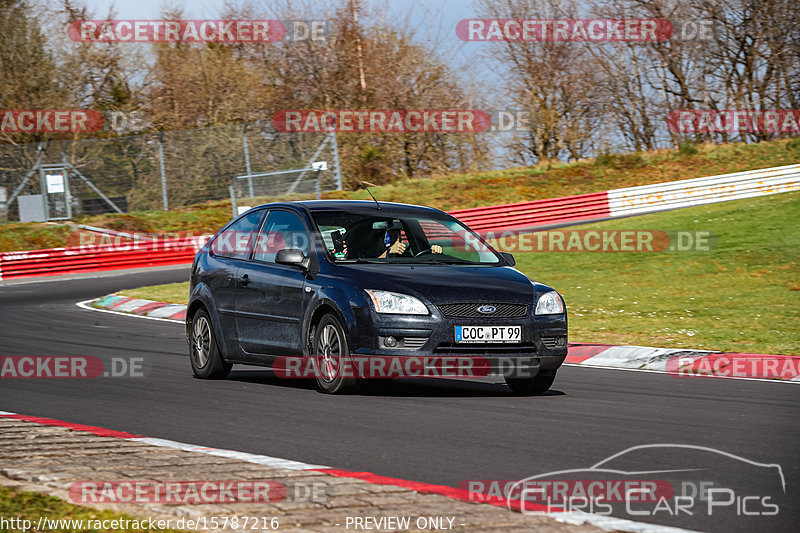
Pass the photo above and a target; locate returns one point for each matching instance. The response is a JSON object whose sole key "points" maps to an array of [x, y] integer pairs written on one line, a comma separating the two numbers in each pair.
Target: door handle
{"points": [[245, 280]]}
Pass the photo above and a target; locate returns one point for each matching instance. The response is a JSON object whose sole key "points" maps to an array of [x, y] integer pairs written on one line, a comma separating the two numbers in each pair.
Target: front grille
{"points": [[485, 349], [554, 342], [413, 343], [470, 310]]}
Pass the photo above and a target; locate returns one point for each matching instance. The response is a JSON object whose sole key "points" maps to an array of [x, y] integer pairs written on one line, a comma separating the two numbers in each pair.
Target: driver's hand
{"points": [[397, 248], [436, 249]]}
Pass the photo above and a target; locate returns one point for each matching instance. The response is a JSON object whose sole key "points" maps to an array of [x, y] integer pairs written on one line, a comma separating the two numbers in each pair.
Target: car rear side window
{"points": [[282, 229], [237, 240]]}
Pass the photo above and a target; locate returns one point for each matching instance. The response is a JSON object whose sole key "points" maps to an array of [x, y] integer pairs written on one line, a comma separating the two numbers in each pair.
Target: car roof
{"points": [[356, 206]]}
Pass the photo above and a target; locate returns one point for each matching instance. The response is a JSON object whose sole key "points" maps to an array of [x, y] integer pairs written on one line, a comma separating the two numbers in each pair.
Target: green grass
{"points": [[455, 191], [743, 295], [33, 505], [30, 236], [177, 293]]}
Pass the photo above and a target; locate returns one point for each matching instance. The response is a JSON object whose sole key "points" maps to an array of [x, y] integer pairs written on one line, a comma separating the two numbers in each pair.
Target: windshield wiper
{"points": [[365, 260]]}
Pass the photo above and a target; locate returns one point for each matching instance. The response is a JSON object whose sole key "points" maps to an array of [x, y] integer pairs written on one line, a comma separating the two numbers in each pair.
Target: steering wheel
{"points": [[423, 252]]}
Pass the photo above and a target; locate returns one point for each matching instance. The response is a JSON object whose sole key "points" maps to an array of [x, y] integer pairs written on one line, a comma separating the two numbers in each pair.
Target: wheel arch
{"points": [[323, 308], [201, 299]]}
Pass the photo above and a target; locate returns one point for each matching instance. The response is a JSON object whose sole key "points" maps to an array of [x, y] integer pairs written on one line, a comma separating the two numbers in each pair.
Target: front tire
{"points": [[331, 355], [204, 354], [534, 386]]}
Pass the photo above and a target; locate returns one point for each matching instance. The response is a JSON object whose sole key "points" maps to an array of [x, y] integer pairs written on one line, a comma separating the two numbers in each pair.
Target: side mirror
{"points": [[508, 258], [292, 257]]}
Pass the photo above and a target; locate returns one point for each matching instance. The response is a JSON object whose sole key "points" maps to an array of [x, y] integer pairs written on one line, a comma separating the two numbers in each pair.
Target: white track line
{"points": [[267, 460], [607, 523], [763, 380], [85, 305]]}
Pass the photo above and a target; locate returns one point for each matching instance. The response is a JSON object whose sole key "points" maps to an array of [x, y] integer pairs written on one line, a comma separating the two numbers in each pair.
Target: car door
{"points": [[227, 252], [269, 307]]}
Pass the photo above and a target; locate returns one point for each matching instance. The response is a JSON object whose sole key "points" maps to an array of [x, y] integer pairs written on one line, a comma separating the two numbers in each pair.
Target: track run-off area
{"points": [[435, 431]]}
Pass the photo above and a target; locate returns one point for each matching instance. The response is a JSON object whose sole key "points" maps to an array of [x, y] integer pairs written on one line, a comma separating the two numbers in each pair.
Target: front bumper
{"points": [[543, 345]]}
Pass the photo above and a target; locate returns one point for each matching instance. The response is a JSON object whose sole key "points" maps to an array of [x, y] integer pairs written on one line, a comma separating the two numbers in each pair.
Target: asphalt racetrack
{"points": [[436, 431]]}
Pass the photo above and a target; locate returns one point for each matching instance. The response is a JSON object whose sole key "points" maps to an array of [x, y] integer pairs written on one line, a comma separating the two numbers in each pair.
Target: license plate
{"points": [[477, 334]]}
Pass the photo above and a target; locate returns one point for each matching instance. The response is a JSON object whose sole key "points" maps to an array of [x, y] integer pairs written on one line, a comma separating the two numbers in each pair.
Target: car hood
{"points": [[443, 283]]}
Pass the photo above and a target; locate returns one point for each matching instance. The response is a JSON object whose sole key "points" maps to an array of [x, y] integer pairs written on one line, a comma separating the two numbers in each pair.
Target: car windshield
{"points": [[400, 238]]}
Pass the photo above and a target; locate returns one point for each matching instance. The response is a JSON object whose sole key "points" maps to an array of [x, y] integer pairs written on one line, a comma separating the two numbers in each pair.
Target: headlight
{"points": [[396, 303], [550, 303]]}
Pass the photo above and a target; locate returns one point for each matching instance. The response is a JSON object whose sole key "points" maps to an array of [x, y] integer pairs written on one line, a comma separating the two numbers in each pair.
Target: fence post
{"points": [[24, 181], [247, 160], [336, 162], [163, 174], [232, 190]]}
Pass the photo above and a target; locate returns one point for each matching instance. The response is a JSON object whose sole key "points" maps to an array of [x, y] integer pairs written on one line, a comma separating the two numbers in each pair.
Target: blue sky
{"points": [[448, 12], [433, 21]]}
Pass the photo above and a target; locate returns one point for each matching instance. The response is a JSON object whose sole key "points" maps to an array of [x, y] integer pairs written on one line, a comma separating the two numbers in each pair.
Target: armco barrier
{"points": [[698, 191], [632, 200], [583, 207], [98, 258], [536, 213]]}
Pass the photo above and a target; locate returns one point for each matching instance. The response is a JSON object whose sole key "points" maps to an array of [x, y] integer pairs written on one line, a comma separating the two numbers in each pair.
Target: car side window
{"points": [[237, 240], [282, 229]]}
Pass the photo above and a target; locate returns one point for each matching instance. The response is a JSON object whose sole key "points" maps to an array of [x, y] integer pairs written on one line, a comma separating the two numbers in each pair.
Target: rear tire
{"points": [[331, 355], [534, 386], [204, 354]]}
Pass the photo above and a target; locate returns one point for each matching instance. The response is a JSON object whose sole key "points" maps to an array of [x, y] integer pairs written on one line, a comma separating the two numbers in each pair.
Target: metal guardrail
{"points": [[75, 259], [698, 191], [535, 213], [606, 204]]}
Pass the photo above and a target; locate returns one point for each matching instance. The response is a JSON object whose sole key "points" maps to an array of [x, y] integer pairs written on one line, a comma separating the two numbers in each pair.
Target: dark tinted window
{"points": [[238, 238], [282, 229]]}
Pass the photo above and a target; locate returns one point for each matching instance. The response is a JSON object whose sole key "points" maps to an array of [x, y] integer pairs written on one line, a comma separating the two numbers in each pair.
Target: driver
{"points": [[395, 246], [390, 244]]}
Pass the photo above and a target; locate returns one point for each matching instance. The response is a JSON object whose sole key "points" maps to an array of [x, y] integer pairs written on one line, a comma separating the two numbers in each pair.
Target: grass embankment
{"points": [[743, 295], [177, 293], [32, 506], [456, 191]]}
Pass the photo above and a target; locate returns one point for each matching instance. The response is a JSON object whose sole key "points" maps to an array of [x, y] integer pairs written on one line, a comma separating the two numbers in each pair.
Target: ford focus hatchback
{"points": [[346, 291]]}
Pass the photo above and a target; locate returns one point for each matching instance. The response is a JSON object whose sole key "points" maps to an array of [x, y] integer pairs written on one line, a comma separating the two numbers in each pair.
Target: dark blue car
{"points": [[335, 283]]}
